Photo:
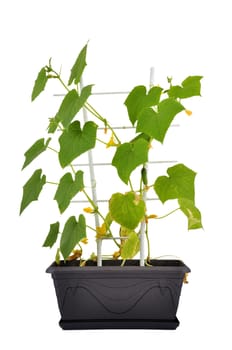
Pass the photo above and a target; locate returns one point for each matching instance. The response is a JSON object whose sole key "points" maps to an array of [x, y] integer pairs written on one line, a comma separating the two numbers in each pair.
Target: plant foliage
{"points": [[151, 113]]}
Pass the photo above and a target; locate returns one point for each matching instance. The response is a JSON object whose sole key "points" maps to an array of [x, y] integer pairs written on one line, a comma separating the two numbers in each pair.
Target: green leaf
{"points": [[68, 188], [137, 100], [127, 209], [131, 246], [156, 124], [191, 86], [74, 141], [40, 83], [81, 232], [85, 93], [52, 235], [68, 108], [34, 151], [73, 232], [128, 156], [53, 124], [78, 67], [179, 184], [71, 105], [32, 189], [193, 214]]}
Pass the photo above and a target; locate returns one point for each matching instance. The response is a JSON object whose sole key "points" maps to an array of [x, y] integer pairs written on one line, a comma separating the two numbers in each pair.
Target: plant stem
{"points": [[131, 186], [148, 244], [72, 167], [141, 186], [60, 80], [164, 216], [93, 111], [95, 207], [64, 85], [123, 262], [52, 149], [91, 228], [52, 183], [101, 141]]}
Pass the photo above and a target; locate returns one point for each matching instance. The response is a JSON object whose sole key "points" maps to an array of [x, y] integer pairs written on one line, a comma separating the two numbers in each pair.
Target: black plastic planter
{"points": [[115, 297]]}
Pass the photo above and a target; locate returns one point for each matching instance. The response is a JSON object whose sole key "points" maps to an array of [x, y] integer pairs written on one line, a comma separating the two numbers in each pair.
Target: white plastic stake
{"points": [[152, 76], [143, 224], [94, 191]]}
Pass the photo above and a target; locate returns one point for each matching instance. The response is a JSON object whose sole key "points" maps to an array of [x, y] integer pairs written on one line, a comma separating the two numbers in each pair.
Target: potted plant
{"points": [[117, 292]]}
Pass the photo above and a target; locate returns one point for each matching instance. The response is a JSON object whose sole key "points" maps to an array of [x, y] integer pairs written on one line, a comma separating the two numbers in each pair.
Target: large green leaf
{"points": [[52, 235], [74, 141], [138, 99], [131, 246], [68, 188], [191, 86], [71, 105], [128, 156], [73, 232], [127, 209], [39, 84], [32, 189], [34, 151], [68, 108], [156, 124], [179, 184], [78, 67], [193, 214]]}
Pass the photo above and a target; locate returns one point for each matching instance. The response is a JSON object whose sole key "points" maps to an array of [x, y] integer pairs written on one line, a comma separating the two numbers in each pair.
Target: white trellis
{"points": [[91, 165]]}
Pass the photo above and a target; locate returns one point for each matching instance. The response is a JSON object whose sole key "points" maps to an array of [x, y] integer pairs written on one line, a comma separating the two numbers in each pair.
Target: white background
{"points": [[178, 38]]}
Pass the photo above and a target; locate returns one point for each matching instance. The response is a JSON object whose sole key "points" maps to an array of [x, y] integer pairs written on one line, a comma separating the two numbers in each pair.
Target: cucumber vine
{"points": [[151, 114]]}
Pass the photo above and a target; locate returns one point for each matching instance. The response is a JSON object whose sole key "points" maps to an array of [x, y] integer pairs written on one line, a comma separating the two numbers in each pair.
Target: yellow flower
{"points": [[88, 210], [84, 240], [111, 142], [101, 231], [188, 112]]}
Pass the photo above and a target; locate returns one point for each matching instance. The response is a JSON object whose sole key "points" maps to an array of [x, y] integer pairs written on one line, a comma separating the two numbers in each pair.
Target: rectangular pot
{"points": [[129, 297]]}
